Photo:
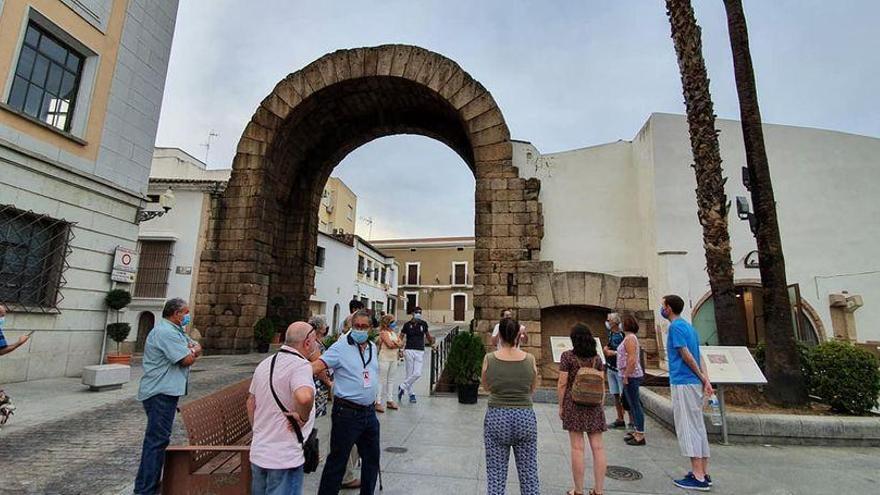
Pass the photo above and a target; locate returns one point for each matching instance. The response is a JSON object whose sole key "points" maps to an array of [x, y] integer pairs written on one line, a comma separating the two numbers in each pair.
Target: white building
{"points": [[81, 92], [334, 277], [170, 245], [629, 208], [376, 279]]}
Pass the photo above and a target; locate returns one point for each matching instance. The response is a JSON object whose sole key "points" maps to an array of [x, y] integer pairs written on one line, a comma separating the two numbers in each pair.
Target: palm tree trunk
{"points": [[712, 204], [785, 379]]}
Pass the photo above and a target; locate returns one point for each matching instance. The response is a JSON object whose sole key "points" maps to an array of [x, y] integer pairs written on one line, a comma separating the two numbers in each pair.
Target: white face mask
{"points": [[608, 324]]}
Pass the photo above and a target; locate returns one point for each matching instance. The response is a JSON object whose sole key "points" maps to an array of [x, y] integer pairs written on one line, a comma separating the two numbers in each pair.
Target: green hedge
{"points": [[844, 376]]}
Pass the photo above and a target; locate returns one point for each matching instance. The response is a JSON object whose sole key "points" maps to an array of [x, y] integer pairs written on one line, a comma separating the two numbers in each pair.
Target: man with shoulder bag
{"points": [[281, 410]]}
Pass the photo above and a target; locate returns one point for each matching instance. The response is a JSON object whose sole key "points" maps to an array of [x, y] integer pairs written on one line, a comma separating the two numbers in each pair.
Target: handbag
{"points": [[310, 446]]}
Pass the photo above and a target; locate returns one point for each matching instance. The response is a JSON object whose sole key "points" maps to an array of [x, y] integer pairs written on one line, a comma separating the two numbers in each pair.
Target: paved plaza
{"points": [[66, 440]]}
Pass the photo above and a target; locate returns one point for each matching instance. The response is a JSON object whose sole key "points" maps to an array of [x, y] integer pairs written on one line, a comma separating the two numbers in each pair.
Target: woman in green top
{"points": [[511, 376]]}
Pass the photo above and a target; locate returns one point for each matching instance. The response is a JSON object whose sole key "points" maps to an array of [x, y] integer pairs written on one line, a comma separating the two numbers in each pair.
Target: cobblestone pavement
{"points": [[95, 450]]}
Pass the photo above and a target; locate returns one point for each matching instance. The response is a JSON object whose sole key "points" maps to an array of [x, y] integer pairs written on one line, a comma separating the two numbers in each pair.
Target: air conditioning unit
{"points": [[329, 208]]}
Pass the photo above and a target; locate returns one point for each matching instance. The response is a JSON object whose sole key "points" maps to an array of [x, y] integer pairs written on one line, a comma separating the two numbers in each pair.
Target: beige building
{"points": [[80, 96], [338, 211], [436, 274]]}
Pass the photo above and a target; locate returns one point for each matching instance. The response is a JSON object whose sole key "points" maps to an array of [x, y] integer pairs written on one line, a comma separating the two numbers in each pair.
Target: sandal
{"points": [[572, 492], [594, 492], [634, 442]]}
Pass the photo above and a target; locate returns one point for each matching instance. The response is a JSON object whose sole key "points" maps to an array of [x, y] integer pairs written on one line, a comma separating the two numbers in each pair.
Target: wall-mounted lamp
{"points": [[166, 201], [743, 211]]}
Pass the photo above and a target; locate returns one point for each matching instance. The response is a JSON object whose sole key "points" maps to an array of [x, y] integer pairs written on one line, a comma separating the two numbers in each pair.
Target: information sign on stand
{"points": [[730, 365], [561, 344], [125, 262]]}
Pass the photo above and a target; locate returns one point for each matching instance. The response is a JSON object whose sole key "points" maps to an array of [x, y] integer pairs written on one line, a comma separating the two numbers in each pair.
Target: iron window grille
{"points": [[46, 78], [153, 270], [33, 258]]}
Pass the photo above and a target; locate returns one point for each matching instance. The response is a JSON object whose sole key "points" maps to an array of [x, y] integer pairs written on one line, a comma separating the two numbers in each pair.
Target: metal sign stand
{"points": [[723, 415]]}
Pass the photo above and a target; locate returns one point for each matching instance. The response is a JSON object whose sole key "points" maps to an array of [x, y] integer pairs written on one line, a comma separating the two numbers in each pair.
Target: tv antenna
{"points": [[211, 135], [369, 221]]}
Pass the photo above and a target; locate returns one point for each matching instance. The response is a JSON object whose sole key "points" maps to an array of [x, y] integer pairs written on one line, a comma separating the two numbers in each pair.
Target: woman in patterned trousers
{"points": [[511, 376]]}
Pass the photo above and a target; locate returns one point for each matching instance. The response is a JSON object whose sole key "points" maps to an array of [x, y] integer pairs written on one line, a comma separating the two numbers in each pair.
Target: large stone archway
{"points": [[263, 233]]}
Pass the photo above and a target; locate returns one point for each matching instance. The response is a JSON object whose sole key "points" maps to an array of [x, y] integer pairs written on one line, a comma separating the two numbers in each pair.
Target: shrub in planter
{"points": [[846, 377], [117, 299], [464, 364], [264, 330], [118, 332], [805, 351]]}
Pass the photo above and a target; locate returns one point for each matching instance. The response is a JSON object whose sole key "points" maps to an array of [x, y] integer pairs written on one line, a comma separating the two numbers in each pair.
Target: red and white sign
{"points": [[125, 264]]}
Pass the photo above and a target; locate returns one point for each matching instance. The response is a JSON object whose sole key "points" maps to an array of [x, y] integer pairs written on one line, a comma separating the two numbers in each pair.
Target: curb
{"points": [[777, 429]]}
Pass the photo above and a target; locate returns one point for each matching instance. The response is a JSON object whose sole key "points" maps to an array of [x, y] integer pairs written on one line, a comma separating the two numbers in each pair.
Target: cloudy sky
{"points": [[566, 74]]}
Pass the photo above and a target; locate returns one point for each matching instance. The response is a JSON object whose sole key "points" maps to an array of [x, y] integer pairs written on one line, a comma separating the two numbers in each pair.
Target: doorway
{"points": [[146, 321], [459, 303]]}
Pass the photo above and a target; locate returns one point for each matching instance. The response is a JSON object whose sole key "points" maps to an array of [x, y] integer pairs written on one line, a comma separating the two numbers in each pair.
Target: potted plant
{"points": [[264, 330], [117, 299], [464, 364]]}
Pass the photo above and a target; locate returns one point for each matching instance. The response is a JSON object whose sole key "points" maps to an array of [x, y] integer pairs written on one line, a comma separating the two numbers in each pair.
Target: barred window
{"points": [[321, 255], [33, 258], [153, 269], [46, 78]]}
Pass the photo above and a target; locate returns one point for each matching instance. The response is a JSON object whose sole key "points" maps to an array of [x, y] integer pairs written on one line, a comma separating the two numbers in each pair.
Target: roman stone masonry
{"points": [[262, 243]]}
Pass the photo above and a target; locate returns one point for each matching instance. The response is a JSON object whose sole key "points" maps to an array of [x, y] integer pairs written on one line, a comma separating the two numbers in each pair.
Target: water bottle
{"points": [[715, 413]]}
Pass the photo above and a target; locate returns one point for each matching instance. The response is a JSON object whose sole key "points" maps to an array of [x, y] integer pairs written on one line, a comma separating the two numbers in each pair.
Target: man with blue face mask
{"points": [[414, 332], [355, 364], [168, 354]]}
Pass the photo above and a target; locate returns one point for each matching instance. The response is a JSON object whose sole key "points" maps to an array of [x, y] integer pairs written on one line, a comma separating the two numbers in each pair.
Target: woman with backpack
{"points": [[581, 394], [511, 377]]}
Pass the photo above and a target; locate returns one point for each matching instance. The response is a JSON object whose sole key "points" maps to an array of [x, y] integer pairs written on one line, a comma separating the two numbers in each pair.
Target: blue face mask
{"points": [[359, 336], [393, 325], [186, 320], [664, 313], [417, 316], [2, 321]]}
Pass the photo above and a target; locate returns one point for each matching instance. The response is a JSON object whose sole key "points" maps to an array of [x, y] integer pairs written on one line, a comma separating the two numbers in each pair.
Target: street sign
{"points": [[125, 263]]}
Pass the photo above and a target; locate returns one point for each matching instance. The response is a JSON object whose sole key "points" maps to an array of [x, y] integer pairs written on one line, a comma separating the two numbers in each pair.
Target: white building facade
{"points": [[376, 278], [170, 245], [334, 277], [629, 209], [81, 93]]}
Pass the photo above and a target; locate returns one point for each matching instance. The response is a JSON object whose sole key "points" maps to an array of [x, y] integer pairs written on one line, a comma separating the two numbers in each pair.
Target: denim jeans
{"points": [[631, 391], [276, 481], [351, 427], [160, 411]]}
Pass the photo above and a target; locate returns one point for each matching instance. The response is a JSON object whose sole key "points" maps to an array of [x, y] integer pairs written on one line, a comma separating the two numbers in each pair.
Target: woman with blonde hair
{"points": [[389, 346]]}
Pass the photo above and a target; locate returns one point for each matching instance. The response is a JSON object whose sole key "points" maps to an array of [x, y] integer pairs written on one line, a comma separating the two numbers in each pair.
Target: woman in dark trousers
{"points": [[578, 419], [630, 366], [511, 377]]}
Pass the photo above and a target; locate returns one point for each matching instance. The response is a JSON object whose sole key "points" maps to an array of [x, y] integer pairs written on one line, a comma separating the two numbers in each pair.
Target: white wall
{"points": [[334, 283]]}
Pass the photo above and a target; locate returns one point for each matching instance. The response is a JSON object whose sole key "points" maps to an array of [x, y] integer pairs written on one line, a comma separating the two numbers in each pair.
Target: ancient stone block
{"points": [[492, 135], [494, 152], [401, 57], [543, 290], [485, 120]]}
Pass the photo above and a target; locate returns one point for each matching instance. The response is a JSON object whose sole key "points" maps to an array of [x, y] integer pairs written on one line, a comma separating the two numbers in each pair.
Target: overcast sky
{"points": [[566, 74]]}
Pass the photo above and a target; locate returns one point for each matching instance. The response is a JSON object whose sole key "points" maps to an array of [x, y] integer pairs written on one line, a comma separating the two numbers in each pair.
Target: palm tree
{"points": [[712, 205], [785, 380]]}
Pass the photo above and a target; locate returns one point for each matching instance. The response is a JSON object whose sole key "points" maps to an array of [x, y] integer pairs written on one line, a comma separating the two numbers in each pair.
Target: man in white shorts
{"points": [[689, 385], [522, 338]]}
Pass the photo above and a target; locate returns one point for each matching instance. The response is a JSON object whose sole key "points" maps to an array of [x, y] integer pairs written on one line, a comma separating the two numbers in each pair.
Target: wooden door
{"points": [[146, 321], [458, 303]]}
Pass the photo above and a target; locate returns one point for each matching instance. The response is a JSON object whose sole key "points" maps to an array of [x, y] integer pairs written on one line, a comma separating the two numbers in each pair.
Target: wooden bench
{"points": [[217, 459]]}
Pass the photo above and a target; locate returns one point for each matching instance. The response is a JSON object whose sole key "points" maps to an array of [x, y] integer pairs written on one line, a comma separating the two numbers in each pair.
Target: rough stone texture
{"points": [[258, 250]]}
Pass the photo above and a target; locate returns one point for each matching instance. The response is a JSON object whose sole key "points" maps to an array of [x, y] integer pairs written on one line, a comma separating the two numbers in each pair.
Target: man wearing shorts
{"points": [[689, 384], [615, 382]]}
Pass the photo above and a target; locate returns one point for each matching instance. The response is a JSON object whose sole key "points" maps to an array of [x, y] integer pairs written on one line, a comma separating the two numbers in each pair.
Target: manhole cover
{"points": [[622, 473], [395, 450]]}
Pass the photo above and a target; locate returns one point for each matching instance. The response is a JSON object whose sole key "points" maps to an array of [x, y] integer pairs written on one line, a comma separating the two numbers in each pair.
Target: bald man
{"points": [[276, 454]]}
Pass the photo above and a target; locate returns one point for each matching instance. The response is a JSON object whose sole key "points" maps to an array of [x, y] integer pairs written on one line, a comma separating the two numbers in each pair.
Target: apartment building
{"points": [[79, 108], [338, 211], [436, 275]]}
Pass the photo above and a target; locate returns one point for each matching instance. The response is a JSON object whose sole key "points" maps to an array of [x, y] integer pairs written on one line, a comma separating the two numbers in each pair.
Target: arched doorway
{"points": [[749, 296], [146, 322], [335, 326], [264, 229]]}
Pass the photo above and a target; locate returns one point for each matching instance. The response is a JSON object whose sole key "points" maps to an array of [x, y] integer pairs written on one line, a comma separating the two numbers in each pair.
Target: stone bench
{"points": [[106, 376]]}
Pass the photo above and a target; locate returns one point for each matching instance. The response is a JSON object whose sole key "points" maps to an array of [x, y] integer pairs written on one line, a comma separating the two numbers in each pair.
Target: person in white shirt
{"points": [[522, 338]]}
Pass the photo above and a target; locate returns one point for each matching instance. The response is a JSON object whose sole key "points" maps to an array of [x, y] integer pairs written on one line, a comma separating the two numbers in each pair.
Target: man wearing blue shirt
{"points": [[355, 364], [689, 384], [168, 354]]}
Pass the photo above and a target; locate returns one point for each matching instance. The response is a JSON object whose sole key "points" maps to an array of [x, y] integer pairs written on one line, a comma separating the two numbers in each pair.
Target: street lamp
{"points": [[166, 201]]}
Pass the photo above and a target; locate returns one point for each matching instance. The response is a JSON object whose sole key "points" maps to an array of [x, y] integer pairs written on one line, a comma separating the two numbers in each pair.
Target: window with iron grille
{"points": [[46, 78], [153, 269], [33, 258], [460, 274]]}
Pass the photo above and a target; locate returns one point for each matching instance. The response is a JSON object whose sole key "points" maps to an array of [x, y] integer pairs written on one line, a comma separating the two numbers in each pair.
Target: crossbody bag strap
{"points": [[299, 435]]}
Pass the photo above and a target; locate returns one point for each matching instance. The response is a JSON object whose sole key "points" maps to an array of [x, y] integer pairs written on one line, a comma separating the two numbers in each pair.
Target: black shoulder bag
{"points": [[310, 445]]}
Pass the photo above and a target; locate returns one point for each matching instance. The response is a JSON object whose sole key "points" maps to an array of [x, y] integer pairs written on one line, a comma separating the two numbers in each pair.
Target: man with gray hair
{"points": [[615, 382], [168, 354], [277, 456]]}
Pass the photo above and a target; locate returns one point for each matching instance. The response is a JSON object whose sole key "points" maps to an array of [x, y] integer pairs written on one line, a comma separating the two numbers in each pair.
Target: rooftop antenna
{"points": [[211, 135], [369, 221]]}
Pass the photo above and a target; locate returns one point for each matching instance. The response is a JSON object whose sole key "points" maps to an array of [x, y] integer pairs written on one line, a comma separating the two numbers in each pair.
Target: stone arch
{"points": [[264, 229]]}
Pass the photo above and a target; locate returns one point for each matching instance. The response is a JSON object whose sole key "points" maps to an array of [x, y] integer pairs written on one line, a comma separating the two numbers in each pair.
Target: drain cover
{"points": [[396, 450], [622, 473]]}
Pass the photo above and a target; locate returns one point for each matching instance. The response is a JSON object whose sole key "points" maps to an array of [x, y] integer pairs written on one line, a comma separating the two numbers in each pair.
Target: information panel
{"points": [[730, 364], [561, 344]]}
